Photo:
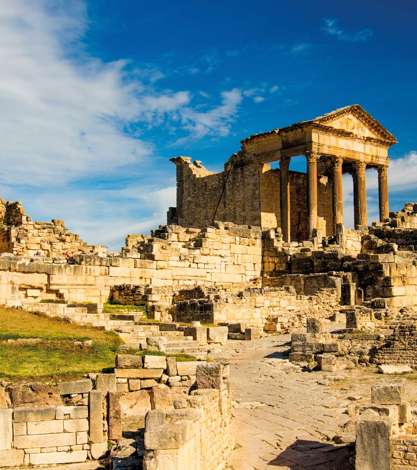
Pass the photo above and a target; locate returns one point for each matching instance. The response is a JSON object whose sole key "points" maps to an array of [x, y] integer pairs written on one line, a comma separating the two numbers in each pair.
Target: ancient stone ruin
{"points": [[251, 253]]}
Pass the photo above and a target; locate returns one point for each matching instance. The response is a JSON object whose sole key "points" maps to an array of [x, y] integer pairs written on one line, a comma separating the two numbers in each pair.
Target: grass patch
{"points": [[58, 353], [179, 357], [118, 308]]}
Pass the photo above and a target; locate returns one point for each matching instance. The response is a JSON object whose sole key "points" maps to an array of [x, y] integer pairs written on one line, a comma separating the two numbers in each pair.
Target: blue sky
{"points": [[97, 95]]}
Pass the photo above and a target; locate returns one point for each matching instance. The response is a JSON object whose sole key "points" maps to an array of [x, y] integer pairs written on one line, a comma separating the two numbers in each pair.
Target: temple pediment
{"points": [[356, 120]]}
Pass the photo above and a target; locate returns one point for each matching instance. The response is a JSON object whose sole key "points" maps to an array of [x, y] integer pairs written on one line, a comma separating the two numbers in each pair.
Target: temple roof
{"points": [[325, 121]]}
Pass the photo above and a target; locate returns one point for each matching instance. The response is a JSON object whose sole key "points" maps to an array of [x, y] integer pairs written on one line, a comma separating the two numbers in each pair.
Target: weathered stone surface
{"points": [[6, 429], [58, 457], [75, 425], [134, 406], [154, 362], [209, 376], [78, 386], [11, 457], [98, 450], [373, 445], [390, 369], [388, 394], [172, 366], [115, 416], [44, 440], [34, 414], [45, 427], [96, 417], [106, 383], [217, 334], [139, 373], [188, 367], [129, 361]]}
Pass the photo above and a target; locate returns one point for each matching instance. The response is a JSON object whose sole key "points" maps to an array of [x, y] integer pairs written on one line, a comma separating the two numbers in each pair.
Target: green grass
{"points": [[118, 308], [178, 357], [57, 354]]}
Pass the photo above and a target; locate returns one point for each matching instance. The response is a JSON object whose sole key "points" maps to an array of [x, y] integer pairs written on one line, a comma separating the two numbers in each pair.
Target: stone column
{"points": [[285, 199], [360, 196], [312, 192], [383, 192], [338, 191]]}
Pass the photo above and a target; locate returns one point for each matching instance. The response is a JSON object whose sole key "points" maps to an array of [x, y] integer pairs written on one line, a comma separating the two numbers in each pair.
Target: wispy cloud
{"points": [[70, 120], [331, 26], [300, 47]]}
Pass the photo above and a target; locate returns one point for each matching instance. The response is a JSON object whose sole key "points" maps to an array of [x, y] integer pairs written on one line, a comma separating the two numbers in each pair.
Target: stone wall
{"points": [[197, 434], [246, 193], [71, 429], [385, 431], [279, 309], [21, 236]]}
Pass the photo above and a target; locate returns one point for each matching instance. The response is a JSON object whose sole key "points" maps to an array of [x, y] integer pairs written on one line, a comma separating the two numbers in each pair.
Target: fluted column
{"points": [[383, 192], [360, 194], [338, 191], [312, 192], [285, 199]]}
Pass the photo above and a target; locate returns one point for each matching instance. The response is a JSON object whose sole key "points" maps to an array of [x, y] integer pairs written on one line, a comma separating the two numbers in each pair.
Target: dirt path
{"points": [[285, 418]]}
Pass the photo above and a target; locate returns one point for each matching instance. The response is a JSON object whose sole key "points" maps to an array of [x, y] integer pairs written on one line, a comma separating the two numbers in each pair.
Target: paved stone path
{"points": [[285, 418]]}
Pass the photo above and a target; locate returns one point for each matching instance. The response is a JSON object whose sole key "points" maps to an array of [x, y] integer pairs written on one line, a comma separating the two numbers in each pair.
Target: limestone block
{"points": [[128, 361], [96, 416], [199, 333], [82, 437], [315, 326], [58, 457], [209, 376], [6, 429], [139, 373], [327, 362], [188, 367], [172, 366], [11, 457], [78, 386], [154, 362], [19, 429], [148, 383], [373, 445], [217, 334], [98, 450], [75, 425], [73, 412], [33, 414], [388, 394], [44, 440], [45, 427], [134, 406], [114, 416], [106, 383], [134, 384]]}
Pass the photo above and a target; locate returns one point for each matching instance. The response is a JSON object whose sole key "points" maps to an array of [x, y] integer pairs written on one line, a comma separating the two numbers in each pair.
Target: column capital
{"points": [[338, 161], [383, 169], [312, 157], [360, 166]]}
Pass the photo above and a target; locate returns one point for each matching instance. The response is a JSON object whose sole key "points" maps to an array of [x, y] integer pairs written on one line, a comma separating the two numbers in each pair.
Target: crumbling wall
{"points": [[69, 428], [385, 430], [197, 434], [21, 236], [231, 196], [246, 193]]}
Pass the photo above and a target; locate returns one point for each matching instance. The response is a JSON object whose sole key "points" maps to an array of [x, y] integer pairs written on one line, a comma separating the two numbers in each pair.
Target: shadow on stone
{"points": [[313, 455], [279, 355]]}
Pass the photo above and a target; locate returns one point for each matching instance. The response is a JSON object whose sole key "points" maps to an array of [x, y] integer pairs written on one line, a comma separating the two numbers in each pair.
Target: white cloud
{"points": [[64, 116], [331, 27], [216, 121]]}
